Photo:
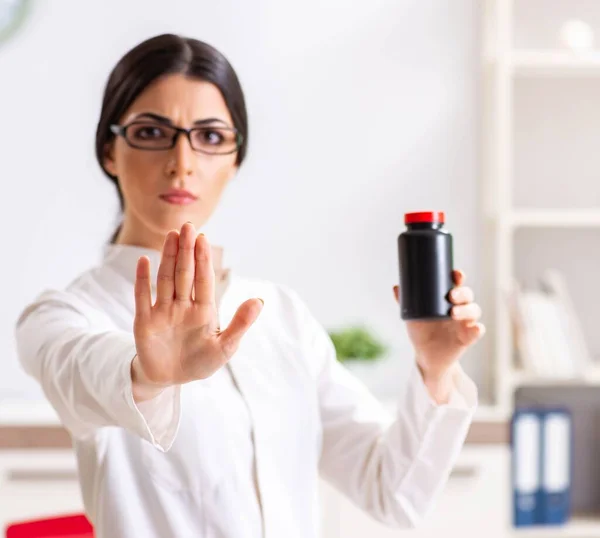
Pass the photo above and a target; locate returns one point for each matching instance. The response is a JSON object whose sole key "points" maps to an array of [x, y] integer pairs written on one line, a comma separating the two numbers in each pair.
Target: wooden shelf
{"points": [[578, 527], [27, 413], [519, 379], [555, 218], [554, 63], [492, 413]]}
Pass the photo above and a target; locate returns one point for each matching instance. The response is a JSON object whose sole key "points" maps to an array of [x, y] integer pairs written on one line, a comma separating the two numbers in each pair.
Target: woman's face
{"points": [[163, 189]]}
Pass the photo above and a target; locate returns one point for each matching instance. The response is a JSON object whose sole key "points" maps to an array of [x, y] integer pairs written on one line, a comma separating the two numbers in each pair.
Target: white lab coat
{"points": [[237, 455]]}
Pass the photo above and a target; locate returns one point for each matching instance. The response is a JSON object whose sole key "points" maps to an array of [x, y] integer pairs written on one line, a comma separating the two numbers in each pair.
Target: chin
{"points": [[175, 222]]}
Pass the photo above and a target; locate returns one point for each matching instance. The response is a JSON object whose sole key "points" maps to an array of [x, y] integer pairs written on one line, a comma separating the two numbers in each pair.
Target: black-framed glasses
{"points": [[152, 136]]}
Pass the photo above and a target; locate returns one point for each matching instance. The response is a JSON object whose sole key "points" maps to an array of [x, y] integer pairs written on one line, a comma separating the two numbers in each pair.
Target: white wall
{"points": [[359, 111]]}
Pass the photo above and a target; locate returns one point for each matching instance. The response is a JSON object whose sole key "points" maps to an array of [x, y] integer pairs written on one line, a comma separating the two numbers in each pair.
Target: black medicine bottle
{"points": [[426, 264]]}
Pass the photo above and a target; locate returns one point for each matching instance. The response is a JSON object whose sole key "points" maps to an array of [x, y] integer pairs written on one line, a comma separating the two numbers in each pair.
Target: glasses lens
{"points": [[215, 140], [150, 135]]}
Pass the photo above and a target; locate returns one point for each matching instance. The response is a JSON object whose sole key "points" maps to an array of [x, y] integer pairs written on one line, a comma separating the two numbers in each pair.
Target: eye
{"points": [[212, 137], [148, 132], [213, 140]]}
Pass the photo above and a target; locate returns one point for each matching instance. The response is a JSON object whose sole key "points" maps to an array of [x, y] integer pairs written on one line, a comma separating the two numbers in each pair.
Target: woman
{"points": [[216, 414]]}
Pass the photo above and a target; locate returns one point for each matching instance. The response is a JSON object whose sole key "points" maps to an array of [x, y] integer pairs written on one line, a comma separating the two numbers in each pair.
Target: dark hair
{"points": [[163, 55]]}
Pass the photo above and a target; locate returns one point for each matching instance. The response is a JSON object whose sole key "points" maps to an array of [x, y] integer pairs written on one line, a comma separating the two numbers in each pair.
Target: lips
{"points": [[178, 197]]}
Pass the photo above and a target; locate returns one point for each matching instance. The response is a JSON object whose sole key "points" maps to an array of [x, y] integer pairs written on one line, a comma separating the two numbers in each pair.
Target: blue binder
{"points": [[542, 466], [557, 466], [526, 427]]}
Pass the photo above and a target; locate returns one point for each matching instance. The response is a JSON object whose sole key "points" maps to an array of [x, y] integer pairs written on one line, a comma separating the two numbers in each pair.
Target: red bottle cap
{"points": [[425, 217]]}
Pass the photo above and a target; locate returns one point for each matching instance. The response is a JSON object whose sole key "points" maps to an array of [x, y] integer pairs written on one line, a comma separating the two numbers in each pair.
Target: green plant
{"points": [[356, 343]]}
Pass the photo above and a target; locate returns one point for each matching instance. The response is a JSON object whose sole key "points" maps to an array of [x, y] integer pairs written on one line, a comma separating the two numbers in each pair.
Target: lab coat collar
{"points": [[124, 258]]}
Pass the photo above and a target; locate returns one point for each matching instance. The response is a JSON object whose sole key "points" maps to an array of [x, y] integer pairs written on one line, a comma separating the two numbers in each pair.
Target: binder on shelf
{"points": [[542, 466], [557, 467], [526, 466]]}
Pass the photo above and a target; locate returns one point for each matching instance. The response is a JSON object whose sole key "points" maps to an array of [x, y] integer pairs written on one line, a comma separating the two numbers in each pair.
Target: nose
{"points": [[181, 160]]}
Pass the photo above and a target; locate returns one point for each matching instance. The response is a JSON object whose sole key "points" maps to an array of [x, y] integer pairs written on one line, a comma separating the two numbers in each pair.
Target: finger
{"points": [[184, 267], [470, 312], [165, 281], [204, 282], [462, 295], [397, 294], [143, 289], [459, 277], [242, 320], [472, 332]]}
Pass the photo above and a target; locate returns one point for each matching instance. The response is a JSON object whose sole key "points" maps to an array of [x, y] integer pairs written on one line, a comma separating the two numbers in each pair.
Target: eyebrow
{"points": [[167, 121]]}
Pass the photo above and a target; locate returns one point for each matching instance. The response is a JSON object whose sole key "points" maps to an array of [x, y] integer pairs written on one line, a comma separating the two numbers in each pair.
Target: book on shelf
{"points": [[548, 337]]}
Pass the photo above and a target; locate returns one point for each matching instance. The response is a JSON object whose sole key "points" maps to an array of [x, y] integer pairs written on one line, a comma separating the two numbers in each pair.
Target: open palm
{"points": [[178, 338]]}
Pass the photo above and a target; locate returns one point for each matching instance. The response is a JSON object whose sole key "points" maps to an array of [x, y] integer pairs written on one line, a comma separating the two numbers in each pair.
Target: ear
{"points": [[108, 158]]}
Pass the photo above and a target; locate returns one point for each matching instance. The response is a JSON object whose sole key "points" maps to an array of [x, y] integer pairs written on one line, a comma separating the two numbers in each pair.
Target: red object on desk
{"points": [[72, 526]]}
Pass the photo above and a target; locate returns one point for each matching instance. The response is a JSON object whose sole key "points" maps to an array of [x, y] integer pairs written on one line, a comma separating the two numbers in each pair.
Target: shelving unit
{"points": [[504, 64]]}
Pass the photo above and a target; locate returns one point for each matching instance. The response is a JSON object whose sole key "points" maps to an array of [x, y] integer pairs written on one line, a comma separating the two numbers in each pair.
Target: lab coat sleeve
{"points": [[84, 370], [393, 468]]}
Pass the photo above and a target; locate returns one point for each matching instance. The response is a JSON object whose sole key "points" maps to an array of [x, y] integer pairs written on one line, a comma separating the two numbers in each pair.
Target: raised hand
{"points": [[178, 338]]}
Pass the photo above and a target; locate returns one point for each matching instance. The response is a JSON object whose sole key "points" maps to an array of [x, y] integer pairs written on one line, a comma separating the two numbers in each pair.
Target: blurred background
{"points": [[359, 112]]}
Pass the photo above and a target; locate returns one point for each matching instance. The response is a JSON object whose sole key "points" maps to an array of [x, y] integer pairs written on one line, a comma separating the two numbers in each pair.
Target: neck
{"points": [[130, 234], [134, 233]]}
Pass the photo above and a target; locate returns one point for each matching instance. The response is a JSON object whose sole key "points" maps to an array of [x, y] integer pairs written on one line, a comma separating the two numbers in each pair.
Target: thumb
{"points": [[243, 319]]}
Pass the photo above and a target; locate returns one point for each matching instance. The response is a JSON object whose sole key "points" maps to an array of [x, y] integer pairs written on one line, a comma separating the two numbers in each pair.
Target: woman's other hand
{"points": [[439, 344]]}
